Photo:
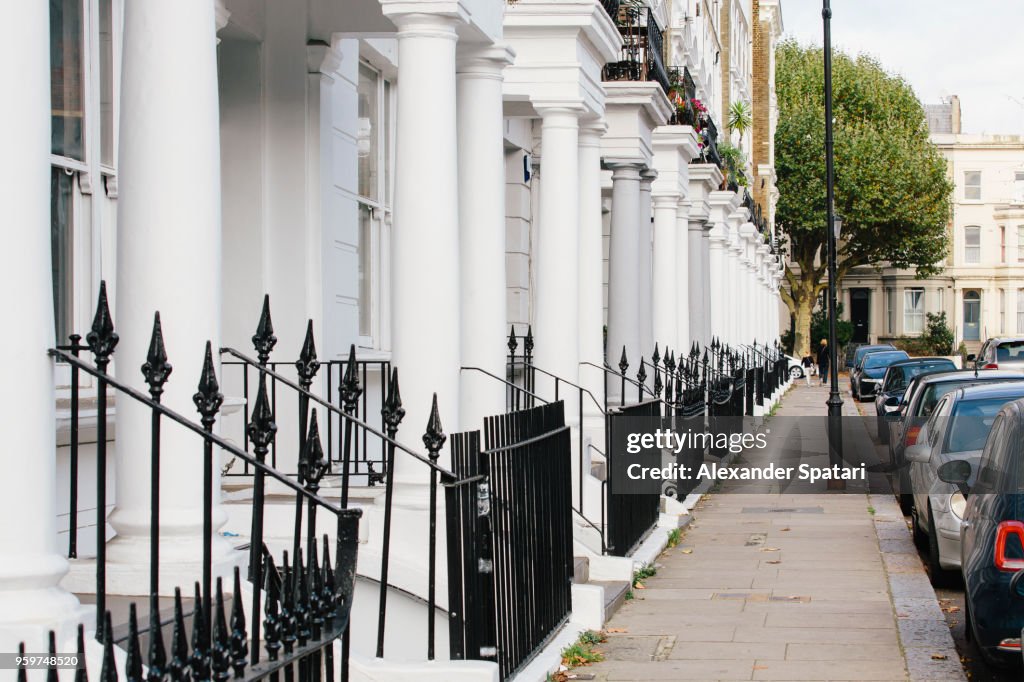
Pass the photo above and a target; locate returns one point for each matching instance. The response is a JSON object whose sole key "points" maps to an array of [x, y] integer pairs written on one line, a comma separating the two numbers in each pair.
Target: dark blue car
{"points": [[868, 374], [992, 537]]}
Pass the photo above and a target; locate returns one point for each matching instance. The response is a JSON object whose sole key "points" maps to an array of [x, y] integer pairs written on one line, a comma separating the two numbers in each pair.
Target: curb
{"points": [[925, 640]]}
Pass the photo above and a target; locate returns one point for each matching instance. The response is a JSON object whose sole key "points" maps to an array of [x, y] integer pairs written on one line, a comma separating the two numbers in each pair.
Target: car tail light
{"points": [[1010, 644], [1003, 532], [991, 365], [912, 433]]}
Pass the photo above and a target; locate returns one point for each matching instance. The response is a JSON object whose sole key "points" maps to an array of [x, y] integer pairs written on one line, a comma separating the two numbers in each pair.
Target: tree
{"points": [[891, 185], [938, 335], [739, 118]]}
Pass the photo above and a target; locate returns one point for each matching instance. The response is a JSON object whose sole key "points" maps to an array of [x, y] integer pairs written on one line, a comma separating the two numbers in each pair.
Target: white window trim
{"points": [[967, 246], [916, 314], [981, 197]]}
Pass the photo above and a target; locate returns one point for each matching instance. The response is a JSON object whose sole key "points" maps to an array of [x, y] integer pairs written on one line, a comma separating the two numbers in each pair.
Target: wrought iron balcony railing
{"points": [[642, 57], [611, 7]]}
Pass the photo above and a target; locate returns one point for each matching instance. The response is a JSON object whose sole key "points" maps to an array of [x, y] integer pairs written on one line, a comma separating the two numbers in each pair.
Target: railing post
{"points": [[102, 339], [306, 367], [350, 392], [73, 452], [623, 366], [434, 440], [208, 401], [393, 413], [261, 431], [156, 370]]}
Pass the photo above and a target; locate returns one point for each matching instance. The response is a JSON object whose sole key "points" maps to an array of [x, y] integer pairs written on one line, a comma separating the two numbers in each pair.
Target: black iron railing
{"points": [[631, 517], [510, 552], [368, 463], [611, 7], [642, 55], [306, 609]]}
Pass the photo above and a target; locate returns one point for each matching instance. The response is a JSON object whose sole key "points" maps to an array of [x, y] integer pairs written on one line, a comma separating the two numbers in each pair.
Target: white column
{"points": [[556, 321], [719, 275], [705, 261], [168, 259], [30, 563], [624, 271], [591, 299], [646, 302], [425, 263], [682, 278], [696, 276], [482, 232], [665, 290]]}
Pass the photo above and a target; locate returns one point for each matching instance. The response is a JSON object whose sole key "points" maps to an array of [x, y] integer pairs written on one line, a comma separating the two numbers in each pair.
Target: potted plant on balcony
{"points": [[733, 162]]}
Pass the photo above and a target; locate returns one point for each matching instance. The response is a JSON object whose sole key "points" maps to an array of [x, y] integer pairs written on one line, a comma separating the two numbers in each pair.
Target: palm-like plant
{"points": [[740, 118]]}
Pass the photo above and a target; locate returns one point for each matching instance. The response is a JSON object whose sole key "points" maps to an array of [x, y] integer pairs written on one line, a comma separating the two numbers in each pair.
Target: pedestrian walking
{"points": [[808, 364], [823, 361]]}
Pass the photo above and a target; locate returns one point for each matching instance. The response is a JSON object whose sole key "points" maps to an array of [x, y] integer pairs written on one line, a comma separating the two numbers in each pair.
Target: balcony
{"points": [[612, 8], [642, 50]]}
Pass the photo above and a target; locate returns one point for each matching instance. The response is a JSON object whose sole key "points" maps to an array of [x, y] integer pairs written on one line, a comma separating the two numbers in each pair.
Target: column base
{"points": [[32, 603]]}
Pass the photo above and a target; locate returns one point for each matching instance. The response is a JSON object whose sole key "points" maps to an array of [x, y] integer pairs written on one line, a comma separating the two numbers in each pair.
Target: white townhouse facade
{"points": [[981, 286], [417, 177]]}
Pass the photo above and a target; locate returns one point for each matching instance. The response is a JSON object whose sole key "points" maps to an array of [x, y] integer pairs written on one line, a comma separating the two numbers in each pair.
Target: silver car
{"points": [[1001, 352], [957, 429]]}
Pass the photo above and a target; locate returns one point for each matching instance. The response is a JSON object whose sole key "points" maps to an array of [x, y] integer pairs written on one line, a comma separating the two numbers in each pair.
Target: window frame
{"points": [[969, 186], [972, 248], [917, 312], [379, 209]]}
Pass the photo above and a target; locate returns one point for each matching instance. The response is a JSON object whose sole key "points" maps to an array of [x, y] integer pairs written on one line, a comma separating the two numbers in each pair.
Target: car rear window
{"points": [[1010, 351], [902, 379], [932, 393], [971, 423], [876, 360]]}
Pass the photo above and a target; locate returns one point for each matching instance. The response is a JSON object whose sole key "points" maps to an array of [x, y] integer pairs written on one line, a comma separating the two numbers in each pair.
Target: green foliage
{"points": [[740, 118], [938, 334], [582, 651], [643, 573], [674, 537], [891, 184], [819, 327], [734, 161]]}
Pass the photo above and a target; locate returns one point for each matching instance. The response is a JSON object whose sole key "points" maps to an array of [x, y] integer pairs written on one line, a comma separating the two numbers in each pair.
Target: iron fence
{"points": [[642, 54], [510, 537], [631, 517]]}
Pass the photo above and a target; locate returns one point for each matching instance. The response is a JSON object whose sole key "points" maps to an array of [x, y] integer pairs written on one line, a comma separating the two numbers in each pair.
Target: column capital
{"points": [[648, 175], [591, 131], [426, 19], [484, 62], [625, 171], [663, 201]]}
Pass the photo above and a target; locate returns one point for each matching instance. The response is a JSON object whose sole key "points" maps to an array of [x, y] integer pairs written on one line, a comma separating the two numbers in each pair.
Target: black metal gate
{"points": [[510, 537], [630, 516]]}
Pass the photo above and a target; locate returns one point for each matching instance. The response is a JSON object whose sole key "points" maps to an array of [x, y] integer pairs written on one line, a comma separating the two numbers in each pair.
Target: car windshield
{"points": [[971, 422], [876, 360], [933, 392], [1010, 351]]}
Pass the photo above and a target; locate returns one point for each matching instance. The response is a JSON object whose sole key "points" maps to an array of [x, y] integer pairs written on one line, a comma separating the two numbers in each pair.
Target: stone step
{"points": [[614, 595]]}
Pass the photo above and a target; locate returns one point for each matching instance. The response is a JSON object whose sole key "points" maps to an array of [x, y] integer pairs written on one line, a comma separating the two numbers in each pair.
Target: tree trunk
{"points": [[802, 323]]}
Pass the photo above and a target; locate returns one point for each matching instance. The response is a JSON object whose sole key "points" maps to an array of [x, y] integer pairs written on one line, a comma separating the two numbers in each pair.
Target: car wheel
{"points": [[796, 373], [938, 576]]}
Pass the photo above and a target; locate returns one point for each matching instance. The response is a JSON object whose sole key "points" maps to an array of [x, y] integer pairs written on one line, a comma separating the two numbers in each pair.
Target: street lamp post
{"points": [[835, 402]]}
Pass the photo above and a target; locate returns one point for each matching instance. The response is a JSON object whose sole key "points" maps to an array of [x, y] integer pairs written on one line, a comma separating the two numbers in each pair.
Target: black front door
{"points": [[860, 311]]}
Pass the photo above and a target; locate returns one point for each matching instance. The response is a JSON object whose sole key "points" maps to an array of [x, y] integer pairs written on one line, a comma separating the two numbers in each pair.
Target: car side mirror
{"points": [[919, 452], [972, 357], [1017, 584], [892, 403], [956, 472]]}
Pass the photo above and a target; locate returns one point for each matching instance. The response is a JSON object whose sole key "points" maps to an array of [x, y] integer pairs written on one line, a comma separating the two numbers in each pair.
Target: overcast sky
{"points": [[970, 48]]}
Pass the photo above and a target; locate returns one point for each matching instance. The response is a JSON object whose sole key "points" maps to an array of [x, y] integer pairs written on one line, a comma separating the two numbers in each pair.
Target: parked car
{"points": [[992, 537], [796, 368], [890, 395], [868, 374], [918, 403], [858, 357], [1001, 352], [854, 354], [850, 352], [957, 429]]}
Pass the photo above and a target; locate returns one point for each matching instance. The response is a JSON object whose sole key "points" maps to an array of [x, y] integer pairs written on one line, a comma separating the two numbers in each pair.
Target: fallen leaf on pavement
{"points": [[776, 561], [688, 550], [769, 549], [951, 609], [616, 630], [783, 530], [939, 657]]}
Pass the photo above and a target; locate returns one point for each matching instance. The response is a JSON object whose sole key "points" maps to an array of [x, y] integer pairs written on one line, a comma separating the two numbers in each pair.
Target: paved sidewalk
{"points": [[771, 586]]}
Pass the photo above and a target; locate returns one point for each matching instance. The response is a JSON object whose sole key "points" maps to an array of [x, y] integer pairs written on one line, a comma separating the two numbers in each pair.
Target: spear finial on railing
{"points": [[512, 344], [133, 662], [157, 655], [179, 642], [264, 340], [435, 437], [307, 365], [261, 427], [239, 638], [220, 650], [208, 398], [656, 356], [315, 466], [350, 389], [108, 671], [199, 662], [102, 339], [156, 369], [393, 413], [641, 374], [271, 619], [623, 362], [528, 341]]}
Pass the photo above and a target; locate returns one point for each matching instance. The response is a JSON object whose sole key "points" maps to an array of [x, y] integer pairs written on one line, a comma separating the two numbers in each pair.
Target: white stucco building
{"points": [[415, 176], [981, 287]]}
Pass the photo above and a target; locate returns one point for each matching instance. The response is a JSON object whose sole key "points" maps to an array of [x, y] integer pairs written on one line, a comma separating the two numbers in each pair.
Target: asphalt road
{"points": [[951, 599]]}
